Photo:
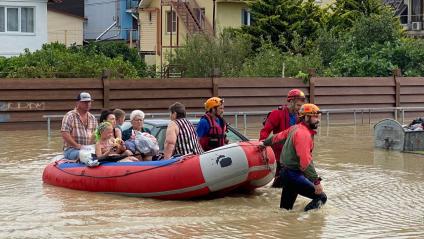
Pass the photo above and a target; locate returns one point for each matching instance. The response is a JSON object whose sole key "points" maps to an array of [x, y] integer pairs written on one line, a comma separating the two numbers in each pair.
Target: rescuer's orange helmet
{"points": [[213, 102], [309, 109]]}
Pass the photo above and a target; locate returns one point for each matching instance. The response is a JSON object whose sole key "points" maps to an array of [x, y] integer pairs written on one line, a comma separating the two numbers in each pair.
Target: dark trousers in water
{"points": [[277, 179], [294, 183]]}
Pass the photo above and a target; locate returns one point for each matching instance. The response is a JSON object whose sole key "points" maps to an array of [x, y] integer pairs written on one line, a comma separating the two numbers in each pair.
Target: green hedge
{"points": [[55, 60]]}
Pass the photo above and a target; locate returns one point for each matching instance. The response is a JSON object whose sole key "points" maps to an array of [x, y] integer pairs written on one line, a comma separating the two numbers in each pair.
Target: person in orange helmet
{"points": [[298, 174], [281, 119], [212, 127]]}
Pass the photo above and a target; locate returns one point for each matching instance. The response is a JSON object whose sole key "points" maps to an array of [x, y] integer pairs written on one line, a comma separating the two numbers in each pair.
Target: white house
{"points": [[23, 24]]}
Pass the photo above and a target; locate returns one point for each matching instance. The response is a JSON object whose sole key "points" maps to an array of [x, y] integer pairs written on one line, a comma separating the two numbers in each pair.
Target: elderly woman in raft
{"points": [[138, 139], [137, 123]]}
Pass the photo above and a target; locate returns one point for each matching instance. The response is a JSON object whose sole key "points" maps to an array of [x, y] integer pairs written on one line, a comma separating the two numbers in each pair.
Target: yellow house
{"points": [[65, 21], [64, 28], [165, 24]]}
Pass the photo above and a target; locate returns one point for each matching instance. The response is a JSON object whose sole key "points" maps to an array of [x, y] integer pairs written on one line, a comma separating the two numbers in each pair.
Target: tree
{"points": [[408, 56], [367, 48], [114, 49], [203, 56], [279, 20], [343, 13], [365, 32], [267, 62], [375, 29]]}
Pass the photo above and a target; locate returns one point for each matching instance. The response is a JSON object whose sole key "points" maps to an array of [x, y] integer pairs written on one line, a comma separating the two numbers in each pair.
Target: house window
{"points": [[12, 19], [200, 16], [171, 21], [17, 19], [2, 21], [27, 19], [245, 17]]}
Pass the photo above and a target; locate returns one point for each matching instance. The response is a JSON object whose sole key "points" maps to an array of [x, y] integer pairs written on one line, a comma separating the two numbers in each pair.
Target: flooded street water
{"points": [[371, 194]]}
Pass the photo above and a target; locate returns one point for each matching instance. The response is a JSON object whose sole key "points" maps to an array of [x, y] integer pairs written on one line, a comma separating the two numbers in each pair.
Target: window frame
{"points": [[246, 19], [33, 20], [200, 14], [173, 27], [7, 19], [19, 31], [4, 18]]}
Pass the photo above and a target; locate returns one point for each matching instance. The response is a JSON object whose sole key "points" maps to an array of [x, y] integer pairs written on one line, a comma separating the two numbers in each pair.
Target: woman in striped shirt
{"points": [[181, 137]]}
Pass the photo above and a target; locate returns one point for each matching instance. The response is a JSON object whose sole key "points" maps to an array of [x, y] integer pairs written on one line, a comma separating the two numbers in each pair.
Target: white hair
{"points": [[135, 113]]}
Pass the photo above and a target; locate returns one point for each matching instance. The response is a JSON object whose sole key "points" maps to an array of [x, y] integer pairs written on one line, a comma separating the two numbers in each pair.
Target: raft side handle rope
{"points": [[126, 173]]}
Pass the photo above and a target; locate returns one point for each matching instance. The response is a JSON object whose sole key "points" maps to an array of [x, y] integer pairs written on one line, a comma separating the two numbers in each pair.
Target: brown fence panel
{"points": [[256, 94], [411, 95], [176, 83], [27, 100], [412, 91], [155, 95], [59, 84], [370, 100], [354, 81], [354, 92]]}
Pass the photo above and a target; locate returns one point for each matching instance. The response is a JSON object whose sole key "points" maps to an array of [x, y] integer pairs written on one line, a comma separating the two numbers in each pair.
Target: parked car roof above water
{"points": [[158, 128]]}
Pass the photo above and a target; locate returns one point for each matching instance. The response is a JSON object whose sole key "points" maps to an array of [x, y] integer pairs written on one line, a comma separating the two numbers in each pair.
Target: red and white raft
{"points": [[238, 165]]}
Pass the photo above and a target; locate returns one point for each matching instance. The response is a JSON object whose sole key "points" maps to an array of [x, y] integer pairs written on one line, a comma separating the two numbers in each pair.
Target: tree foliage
{"points": [[204, 56], [344, 13], [55, 60], [267, 62], [367, 48], [115, 49], [279, 21], [349, 38]]}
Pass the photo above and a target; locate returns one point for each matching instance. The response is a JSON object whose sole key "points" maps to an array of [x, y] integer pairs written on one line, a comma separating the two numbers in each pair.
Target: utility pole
{"points": [[213, 18]]}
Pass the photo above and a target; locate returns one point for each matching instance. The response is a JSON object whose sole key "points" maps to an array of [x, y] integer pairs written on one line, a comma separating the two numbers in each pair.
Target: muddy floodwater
{"points": [[371, 193]]}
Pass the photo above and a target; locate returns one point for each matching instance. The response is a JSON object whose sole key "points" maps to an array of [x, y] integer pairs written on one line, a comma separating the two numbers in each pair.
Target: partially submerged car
{"points": [[158, 128]]}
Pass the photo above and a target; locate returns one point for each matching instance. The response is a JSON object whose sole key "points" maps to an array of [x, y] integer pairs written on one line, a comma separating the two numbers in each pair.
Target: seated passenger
{"points": [[137, 123], [120, 118], [181, 135], [108, 147], [107, 115], [78, 127]]}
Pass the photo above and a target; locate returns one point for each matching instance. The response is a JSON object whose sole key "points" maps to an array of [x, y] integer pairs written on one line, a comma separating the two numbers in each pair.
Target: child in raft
{"points": [[108, 147]]}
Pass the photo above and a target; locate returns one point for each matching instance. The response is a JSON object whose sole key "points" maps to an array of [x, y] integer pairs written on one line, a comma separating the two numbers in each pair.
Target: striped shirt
{"points": [[80, 132], [187, 142]]}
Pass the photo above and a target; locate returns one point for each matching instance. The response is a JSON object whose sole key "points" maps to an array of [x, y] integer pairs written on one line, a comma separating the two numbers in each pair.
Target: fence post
{"points": [[396, 74], [48, 129], [215, 88], [106, 88], [312, 90], [312, 74]]}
